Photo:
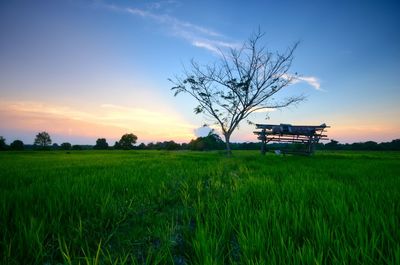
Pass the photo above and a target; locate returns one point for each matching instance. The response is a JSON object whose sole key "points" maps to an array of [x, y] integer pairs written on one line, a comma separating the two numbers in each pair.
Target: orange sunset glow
{"points": [[107, 120]]}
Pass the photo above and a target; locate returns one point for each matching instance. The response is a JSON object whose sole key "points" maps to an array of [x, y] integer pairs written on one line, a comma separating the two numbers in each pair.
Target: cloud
{"points": [[311, 80], [196, 35], [202, 131], [264, 110], [205, 45], [174, 23], [165, 4]]}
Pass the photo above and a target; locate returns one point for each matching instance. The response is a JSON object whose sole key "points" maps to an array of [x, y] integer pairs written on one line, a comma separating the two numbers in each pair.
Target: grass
{"points": [[151, 207]]}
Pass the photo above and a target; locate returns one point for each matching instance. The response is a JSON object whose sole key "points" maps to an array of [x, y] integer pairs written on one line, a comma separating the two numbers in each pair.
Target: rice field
{"points": [[159, 207]]}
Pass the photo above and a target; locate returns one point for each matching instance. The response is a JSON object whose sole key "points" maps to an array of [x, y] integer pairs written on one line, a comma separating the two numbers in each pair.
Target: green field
{"points": [[151, 207]]}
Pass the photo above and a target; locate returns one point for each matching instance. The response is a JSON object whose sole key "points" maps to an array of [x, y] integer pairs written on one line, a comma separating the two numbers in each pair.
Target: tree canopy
{"points": [[210, 142], [101, 144], [17, 145], [42, 140], [3, 145], [127, 141], [66, 146]]}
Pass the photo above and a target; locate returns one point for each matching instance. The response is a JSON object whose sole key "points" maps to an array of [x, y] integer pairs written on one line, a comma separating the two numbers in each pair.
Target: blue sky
{"points": [[88, 69]]}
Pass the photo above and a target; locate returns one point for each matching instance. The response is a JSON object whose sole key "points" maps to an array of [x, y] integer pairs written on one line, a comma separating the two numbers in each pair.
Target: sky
{"points": [[83, 70]]}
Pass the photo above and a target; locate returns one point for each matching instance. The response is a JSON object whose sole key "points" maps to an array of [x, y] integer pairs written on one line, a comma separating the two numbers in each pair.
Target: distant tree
{"points": [[242, 82], [211, 142], [249, 146], [3, 145], [370, 145], [55, 146], [127, 141], [364, 146], [159, 145], [171, 145], [66, 146], [395, 144], [333, 144], [42, 140], [141, 146], [117, 145], [77, 147], [101, 144], [17, 145]]}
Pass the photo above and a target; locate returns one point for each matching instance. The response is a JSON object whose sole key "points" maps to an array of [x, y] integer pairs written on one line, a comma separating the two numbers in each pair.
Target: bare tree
{"points": [[243, 81]]}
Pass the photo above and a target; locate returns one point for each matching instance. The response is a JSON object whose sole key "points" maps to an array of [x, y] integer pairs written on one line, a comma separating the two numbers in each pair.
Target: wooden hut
{"points": [[307, 136]]}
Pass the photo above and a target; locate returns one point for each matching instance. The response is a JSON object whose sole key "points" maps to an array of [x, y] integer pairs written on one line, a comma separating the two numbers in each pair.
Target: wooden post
{"points": [[263, 137], [310, 144]]}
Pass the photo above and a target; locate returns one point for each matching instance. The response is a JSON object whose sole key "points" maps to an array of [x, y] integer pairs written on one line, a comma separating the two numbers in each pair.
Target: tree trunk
{"points": [[228, 144]]}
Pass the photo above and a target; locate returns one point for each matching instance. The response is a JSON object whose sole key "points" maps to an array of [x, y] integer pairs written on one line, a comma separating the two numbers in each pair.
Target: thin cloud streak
{"points": [[205, 45], [163, 4], [196, 35], [311, 80], [172, 21], [265, 110]]}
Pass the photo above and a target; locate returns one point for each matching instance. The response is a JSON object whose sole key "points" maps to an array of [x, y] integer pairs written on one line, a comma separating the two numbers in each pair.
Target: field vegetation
{"points": [[182, 207]]}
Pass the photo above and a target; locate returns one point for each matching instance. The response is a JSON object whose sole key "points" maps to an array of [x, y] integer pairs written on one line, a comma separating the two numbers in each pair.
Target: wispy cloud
{"points": [[198, 36], [205, 45], [163, 4], [311, 80], [265, 110]]}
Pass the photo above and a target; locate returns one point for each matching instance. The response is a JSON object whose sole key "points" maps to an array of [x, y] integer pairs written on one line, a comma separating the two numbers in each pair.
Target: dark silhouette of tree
{"points": [[3, 145], [42, 140], [66, 146], [160, 145], [127, 141], [17, 145], [101, 144], [77, 147], [117, 145], [242, 82], [141, 146], [333, 144], [211, 142], [371, 145], [171, 145], [151, 146], [393, 145], [362, 146]]}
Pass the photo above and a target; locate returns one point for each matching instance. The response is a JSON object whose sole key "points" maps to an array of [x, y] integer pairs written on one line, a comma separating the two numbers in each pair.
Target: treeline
{"points": [[127, 142], [394, 145], [207, 143]]}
